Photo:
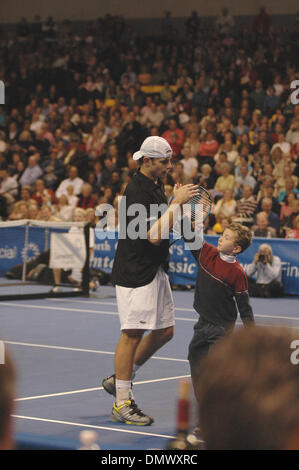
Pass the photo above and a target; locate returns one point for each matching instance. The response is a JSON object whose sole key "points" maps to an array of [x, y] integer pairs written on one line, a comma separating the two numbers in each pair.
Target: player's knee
{"points": [[168, 334], [132, 335]]}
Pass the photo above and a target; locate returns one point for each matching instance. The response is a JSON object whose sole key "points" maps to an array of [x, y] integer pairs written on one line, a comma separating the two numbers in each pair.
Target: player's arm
{"points": [[244, 307], [196, 241], [161, 228]]}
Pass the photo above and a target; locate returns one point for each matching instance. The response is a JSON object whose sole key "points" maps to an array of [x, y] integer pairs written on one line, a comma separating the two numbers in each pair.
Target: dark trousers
{"points": [[204, 337], [273, 289]]}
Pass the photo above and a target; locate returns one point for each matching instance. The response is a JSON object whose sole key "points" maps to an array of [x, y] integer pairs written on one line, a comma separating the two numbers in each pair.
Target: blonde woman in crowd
{"points": [[226, 206]]}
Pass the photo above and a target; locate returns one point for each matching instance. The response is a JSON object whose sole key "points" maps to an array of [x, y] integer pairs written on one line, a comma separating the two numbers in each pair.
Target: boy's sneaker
{"points": [[129, 413], [109, 385]]}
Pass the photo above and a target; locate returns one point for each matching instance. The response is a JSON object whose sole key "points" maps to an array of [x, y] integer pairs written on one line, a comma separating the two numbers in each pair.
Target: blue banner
{"points": [[12, 245], [182, 265]]}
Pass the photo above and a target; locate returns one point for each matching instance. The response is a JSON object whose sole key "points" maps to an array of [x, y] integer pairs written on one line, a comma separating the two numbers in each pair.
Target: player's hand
{"points": [[183, 194], [256, 258], [176, 187]]}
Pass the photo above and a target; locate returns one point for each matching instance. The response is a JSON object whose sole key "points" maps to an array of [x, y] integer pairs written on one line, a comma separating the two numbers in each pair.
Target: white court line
{"points": [[80, 310], [182, 309], [92, 426], [109, 303], [65, 348], [99, 312], [73, 392], [65, 309]]}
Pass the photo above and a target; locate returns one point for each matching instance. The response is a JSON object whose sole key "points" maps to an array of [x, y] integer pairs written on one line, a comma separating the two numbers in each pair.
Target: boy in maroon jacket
{"points": [[221, 291]]}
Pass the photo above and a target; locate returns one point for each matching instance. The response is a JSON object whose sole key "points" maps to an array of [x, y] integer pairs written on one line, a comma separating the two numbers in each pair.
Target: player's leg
{"points": [[151, 343], [57, 280], [124, 409], [134, 309], [161, 322], [205, 336], [125, 352], [198, 350]]}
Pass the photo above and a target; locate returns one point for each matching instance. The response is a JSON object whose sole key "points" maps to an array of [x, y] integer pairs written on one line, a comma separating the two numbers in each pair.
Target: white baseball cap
{"points": [[154, 147]]}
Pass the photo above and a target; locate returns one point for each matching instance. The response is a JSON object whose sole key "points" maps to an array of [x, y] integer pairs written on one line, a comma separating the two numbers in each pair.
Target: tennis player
{"points": [[221, 291], [143, 291]]}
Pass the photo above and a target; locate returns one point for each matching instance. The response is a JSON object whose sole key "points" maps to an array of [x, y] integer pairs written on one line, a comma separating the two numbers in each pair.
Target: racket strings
{"points": [[196, 210], [200, 206]]}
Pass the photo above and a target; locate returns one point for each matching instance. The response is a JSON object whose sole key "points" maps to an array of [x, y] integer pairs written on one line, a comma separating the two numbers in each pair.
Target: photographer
{"points": [[267, 271]]}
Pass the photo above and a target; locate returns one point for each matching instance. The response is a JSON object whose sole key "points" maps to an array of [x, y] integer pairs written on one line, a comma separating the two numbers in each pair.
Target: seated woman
{"points": [[262, 227], [41, 191], [226, 180], [293, 233], [19, 211], [63, 210], [86, 198], [226, 206], [288, 207]]}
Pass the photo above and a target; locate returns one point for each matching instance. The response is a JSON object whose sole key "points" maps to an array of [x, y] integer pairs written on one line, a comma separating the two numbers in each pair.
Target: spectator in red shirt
{"points": [[176, 142], [207, 149], [86, 199], [42, 193]]}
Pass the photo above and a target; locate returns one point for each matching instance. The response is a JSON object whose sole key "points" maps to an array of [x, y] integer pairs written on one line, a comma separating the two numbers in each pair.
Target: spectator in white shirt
{"points": [[63, 210], [72, 199], [153, 116], [283, 144], [73, 180], [190, 163], [293, 133], [8, 185]]}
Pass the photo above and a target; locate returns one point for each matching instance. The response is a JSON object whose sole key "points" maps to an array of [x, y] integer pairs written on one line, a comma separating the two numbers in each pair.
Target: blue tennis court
{"points": [[62, 349]]}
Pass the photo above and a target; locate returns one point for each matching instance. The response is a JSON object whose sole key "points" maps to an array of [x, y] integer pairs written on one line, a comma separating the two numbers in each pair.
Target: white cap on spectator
{"points": [[154, 147]]}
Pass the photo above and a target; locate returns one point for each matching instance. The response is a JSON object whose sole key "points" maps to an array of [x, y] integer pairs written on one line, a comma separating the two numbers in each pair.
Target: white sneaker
{"points": [[129, 413], [56, 289]]}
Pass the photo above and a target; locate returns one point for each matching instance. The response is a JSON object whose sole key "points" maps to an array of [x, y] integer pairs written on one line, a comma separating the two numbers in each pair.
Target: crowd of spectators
{"points": [[79, 104]]}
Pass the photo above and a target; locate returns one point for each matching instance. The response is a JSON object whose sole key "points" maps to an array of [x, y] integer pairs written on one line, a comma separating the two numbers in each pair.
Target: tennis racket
{"points": [[197, 210]]}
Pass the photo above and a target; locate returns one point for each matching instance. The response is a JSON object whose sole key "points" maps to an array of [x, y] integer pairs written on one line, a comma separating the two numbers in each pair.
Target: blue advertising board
{"points": [[182, 265]]}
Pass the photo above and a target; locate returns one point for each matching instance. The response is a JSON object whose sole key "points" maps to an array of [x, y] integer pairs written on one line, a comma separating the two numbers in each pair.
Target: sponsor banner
{"points": [[12, 246], [182, 265], [67, 250]]}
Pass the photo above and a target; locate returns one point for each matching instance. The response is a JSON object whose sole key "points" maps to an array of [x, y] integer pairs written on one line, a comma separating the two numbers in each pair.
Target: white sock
{"points": [[123, 391], [134, 370]]}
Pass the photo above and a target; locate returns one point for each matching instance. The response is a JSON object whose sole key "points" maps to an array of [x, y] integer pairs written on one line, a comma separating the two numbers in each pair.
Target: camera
{"points": [[262, 258]]}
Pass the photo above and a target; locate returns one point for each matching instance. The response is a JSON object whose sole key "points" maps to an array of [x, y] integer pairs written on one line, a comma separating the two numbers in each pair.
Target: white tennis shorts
{"points": [[149, 307]]}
